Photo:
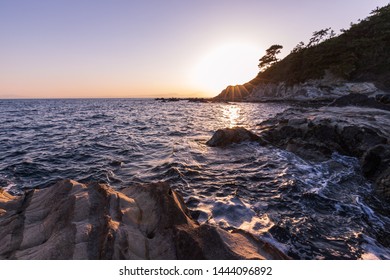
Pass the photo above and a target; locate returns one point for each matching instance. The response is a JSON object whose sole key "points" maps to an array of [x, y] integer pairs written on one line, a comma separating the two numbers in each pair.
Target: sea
{"points": [[309, 210]]}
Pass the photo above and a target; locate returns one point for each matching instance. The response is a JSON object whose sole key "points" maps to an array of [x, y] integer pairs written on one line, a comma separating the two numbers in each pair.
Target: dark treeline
{"points": [[360, 54]]}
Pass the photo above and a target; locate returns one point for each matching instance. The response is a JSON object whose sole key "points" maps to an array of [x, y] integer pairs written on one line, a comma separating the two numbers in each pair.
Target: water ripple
{"points": [[310, 210]]}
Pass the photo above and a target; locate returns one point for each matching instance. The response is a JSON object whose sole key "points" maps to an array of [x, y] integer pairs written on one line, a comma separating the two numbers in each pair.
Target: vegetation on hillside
{"points": [[361, 53]]}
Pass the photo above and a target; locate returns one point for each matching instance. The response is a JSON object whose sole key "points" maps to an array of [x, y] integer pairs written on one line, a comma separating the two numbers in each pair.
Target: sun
{"points": [[228, 64]]}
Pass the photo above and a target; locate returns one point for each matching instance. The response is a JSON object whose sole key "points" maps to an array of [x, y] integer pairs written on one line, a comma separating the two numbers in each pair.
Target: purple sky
{"points": [[118, 48]]}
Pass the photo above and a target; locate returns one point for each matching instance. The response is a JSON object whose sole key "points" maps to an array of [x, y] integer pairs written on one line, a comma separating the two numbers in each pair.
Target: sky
{"points": [[149, 48]]}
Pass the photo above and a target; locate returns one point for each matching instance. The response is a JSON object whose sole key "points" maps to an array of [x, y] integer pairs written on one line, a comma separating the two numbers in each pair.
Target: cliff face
{"points": [[326, 89], [70, 220], [357, 61]]}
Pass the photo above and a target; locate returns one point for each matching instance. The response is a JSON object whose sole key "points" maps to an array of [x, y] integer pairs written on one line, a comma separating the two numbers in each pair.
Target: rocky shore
{"points": [[327, 90], [70, 220], [316, 133]]}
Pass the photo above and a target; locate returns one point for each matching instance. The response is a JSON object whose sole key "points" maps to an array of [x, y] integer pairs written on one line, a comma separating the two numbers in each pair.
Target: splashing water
{"points": [[310, 210]]}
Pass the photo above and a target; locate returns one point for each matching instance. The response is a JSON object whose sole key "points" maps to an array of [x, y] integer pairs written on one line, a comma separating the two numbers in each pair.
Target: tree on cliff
{"points": [[269, 58], [299, 47], [318, 36]]}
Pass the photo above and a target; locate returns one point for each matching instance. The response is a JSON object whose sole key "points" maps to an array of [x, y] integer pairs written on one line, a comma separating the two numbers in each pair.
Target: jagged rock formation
{"points": [[315, 134], [318, 90], [234, 93], [227, 136], [349, 130], [326, 89], [92, 221]]}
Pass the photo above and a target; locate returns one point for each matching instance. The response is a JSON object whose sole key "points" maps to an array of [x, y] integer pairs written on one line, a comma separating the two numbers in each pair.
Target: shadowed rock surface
{"points": [[228, 136], [376, 166], [92, 221], [362, 100], [349, 130], [315, 134]]}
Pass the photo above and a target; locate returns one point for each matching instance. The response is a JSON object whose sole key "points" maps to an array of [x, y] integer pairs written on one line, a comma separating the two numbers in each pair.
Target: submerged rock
{"points": [[92, 221], [227, 136]]}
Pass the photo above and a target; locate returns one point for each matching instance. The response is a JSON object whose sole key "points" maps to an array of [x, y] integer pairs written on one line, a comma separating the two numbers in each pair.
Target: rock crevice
{"points": [[70, 220]]}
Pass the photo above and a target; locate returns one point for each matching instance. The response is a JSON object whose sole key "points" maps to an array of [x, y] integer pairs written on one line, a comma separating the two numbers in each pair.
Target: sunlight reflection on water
{"points": [[314, 210], [231, 114]]}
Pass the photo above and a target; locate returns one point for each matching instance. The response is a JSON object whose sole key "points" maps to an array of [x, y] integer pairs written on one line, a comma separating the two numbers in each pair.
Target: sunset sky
{"points": [[128, 48]]}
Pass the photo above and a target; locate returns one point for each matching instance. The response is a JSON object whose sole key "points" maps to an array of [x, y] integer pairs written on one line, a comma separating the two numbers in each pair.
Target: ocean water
{"points": [[309, 210]]}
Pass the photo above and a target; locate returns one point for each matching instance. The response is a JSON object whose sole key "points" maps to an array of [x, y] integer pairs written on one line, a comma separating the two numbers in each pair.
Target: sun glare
{"points": [[232, 114], [229, 64]]}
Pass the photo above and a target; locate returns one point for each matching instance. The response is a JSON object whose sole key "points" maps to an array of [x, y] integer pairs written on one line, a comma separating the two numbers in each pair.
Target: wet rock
{"points": [[361, 88], [382, 184], [227, 136], [350, 131], [357, 99], [315, 134], [70, 220], [376, 166], [383, 98]]}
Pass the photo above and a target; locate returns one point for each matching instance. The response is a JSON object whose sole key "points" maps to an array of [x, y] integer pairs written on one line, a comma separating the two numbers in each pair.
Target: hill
{"points": [[359, 54]]}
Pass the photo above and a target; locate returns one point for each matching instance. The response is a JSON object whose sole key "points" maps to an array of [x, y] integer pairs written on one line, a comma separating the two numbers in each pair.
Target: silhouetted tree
{"points": [[270, 57], [376, 11], [300, 46], [317, 37], [331, 34]]}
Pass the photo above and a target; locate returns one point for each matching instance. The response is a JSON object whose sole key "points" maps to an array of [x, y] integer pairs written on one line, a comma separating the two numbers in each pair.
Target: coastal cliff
{"points": [[356, 61], [70, 220]]}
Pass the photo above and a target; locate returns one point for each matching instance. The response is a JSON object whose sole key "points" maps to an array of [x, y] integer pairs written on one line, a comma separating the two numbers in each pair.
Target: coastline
{"points": [[77, 221]]}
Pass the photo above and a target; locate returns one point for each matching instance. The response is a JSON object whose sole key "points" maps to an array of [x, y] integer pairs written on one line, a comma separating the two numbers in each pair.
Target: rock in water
{"points": [[376, 166], [362, 100], [350, 131], [315, 134], [92, 221], [227, 136]]}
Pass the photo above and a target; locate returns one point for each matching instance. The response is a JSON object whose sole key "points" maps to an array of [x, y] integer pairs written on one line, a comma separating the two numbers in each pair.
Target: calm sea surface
{"points": [[309, 210]]}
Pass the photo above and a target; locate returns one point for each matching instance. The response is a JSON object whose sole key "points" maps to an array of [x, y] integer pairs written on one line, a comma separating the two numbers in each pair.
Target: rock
{"points": [[353, 99], [70, 220], [362, 100], [327, 89], [376, 166], [383, 98], [361, 88], [233, 93], [296, 122], [227, 136], [382, 184], [314, 134], [350, 131]]}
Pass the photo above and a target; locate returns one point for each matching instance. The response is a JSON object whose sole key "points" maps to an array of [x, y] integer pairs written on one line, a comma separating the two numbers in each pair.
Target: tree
{"points": [[299, 47], [269, 58], [318, 36], [332, 34]]}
